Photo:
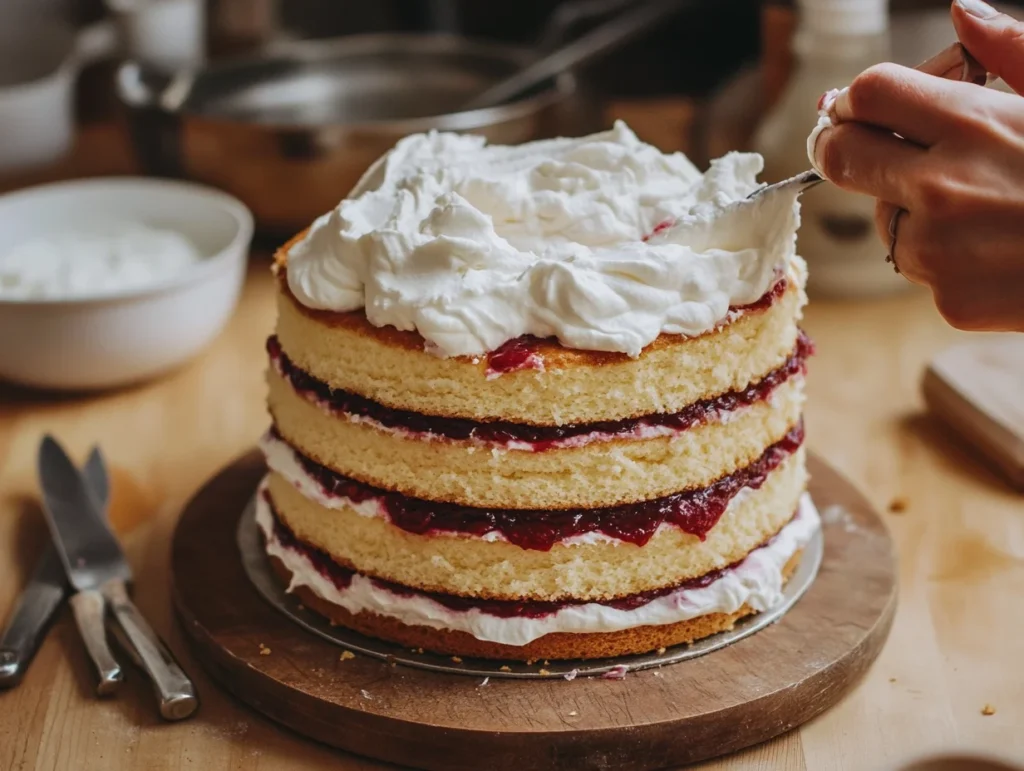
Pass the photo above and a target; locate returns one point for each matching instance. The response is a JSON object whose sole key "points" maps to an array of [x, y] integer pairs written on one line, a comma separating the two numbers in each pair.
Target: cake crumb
{"points": [[347, 655], [531, 662], [661, 650], [456, 659], [574, 713], [366, 694], [615, 673], [547, 663], [301, 606], [485, 681], [899, 504], [264, 650], [416, 650], [543, 672], [988, 709], [571, 675], [505, 668]]}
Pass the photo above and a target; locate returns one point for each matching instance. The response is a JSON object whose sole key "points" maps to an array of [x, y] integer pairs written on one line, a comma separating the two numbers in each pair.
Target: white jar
{"points": [[39, 62]]}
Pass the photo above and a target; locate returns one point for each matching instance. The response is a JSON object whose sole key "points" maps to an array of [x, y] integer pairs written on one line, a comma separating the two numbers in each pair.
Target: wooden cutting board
{"points": [[718, 703], [978, 389]]}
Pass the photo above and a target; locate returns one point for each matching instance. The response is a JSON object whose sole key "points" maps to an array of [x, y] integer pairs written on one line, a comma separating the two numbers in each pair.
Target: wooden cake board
{"points": [[716, 704]]}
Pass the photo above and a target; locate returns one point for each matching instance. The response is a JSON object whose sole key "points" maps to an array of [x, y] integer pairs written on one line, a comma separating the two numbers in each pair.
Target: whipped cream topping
{"points": [[95, 259], [603, 242], [756, 581], [283, 459], [824, 122]]}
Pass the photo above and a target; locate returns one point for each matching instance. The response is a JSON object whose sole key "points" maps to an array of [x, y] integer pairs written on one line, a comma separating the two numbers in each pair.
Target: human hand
{"points": [[950, 155]]}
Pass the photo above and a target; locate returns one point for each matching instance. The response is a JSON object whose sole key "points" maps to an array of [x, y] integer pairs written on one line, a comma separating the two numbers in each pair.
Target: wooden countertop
{"points": [[955, 647]]}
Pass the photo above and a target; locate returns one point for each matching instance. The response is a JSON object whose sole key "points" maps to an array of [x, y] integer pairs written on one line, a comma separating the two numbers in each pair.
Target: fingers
{"points": [[868, 160], [980, 305], [904, 239], [995, 39], [902, 100], [955, 63], [945, 64], [969, 291], [885, 219]]}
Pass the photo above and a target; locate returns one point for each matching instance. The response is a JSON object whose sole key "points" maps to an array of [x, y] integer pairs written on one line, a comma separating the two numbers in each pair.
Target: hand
{"points": [[951, 156]]}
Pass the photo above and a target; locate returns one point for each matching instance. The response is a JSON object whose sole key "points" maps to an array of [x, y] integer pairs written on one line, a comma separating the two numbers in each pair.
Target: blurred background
{"points": [[283, 103]]}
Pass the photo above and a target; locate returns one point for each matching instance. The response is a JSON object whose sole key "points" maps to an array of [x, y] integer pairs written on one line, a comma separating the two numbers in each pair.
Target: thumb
{"points": [[994, 39]]}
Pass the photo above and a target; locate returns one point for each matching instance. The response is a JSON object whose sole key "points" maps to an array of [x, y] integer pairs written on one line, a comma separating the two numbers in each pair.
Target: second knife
{"points": [[44, 594], [94, 560]]}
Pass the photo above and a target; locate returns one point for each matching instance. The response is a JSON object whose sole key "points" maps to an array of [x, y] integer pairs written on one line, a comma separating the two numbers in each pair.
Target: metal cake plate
{"points": [[257, 567]]}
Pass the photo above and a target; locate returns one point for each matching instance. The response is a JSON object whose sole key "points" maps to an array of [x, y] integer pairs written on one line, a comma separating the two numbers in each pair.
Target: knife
{"points": [[97, 569], [42, 596]]}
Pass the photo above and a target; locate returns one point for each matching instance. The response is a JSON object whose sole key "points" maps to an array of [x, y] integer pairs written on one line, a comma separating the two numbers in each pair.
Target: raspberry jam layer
{"points": [[693, 511], [764, 301], [518, 353], [341, 577], [535, 438]]}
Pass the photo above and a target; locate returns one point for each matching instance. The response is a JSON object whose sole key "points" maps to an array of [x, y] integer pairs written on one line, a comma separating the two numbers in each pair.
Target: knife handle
{"points": [[176, 693], [89, 610], [39, 601]]}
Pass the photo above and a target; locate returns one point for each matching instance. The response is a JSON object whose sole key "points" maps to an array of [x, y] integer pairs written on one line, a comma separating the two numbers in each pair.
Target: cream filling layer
{"points": [[757, 582]]}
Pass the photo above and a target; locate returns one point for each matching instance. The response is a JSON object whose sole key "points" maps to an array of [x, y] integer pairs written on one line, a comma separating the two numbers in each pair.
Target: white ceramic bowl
{"points": [[116, 338]]}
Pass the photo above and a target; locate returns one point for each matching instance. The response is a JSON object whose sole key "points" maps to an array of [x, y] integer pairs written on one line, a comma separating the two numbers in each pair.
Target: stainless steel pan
{"points": [[291, 131]]}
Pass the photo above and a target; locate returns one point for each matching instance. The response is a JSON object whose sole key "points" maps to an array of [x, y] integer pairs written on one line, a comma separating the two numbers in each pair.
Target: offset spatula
{"points": [[42, 597], [98, 571], [952, 63]]}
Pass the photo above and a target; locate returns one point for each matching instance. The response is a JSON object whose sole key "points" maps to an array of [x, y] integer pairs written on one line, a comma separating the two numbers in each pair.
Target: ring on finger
{"points": [[893, 225]]}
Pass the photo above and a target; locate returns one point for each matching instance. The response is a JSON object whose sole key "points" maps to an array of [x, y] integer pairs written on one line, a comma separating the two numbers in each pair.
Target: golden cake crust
{"points": [[557, 646]]}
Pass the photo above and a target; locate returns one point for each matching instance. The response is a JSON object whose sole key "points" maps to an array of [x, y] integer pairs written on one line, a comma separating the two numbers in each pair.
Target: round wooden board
{"points": [[746, 693]]}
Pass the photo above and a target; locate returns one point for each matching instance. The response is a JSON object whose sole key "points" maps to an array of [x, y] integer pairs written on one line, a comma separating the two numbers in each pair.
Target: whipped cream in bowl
{"points": [[94, 259], [603, 242], [113, 280]]}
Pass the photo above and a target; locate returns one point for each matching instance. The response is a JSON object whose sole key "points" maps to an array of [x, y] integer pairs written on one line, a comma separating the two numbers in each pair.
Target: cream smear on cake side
{"points": [[757, 581]]}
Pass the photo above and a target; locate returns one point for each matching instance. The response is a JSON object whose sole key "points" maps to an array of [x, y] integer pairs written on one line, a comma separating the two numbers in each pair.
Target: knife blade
{"points": [[43, 594], [98, 563], [97, 479], [88, 561]]}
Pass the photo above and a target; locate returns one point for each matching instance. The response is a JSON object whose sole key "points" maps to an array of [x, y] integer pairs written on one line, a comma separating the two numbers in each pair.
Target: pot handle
{"points": [[567, 15], [153, 99], [94, 42]]}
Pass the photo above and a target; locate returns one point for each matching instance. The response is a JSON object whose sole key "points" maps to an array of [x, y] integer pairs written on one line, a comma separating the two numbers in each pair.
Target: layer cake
{"points": [[540, 402]]}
